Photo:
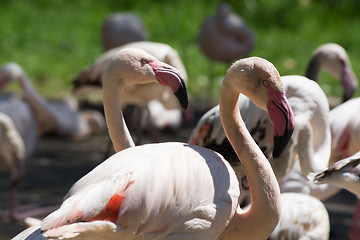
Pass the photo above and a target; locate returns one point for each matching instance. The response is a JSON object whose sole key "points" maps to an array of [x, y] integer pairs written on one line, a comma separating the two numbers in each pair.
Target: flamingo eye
{"points": [[266, 82], [144, 61]]}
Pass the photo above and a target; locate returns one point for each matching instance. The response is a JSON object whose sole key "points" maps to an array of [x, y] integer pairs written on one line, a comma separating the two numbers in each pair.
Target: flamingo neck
{"points": [[313, 68], [46, 120], [312, 160], [118, 131], [264, 188]]}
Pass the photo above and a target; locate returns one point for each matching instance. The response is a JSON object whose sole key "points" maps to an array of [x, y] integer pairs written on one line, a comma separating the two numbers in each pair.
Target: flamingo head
{"points": [[261, 82], [140, 67], [9, 72]]}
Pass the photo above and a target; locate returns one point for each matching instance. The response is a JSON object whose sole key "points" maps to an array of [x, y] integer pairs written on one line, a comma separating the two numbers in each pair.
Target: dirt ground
{"points": [[57, 164]]}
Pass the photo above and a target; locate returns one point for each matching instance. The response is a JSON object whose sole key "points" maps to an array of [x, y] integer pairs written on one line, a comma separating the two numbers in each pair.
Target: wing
{"points": [[344, 173], [302, 216], [209, 132], [150, 190]]}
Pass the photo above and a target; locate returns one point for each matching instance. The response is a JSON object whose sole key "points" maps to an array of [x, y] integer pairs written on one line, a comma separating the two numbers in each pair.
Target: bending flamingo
{"points": [[333, 58], [308, 149], [122, 28], [53, 117], [140, 95], [148, 191], [225, 37], [18, 139]]}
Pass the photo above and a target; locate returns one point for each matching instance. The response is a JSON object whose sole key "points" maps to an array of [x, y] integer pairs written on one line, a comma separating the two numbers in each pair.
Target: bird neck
{"points": [[45, 118], [118, 131], [264, 189], [313, 68]]}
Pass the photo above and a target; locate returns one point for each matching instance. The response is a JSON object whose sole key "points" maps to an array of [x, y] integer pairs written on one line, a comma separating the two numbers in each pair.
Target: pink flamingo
{"points": [[175, 190]]}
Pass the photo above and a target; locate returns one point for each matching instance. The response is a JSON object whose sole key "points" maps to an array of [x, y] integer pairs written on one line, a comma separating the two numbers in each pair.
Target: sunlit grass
{"points": [[54, 40]]}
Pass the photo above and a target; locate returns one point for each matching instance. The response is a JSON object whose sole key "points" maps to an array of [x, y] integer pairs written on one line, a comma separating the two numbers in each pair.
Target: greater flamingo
{"points": [[18, 139], [302, 217], [308, 148], [56, 118], [345, 174], [140, 95], [225, 37], [333, 58], [176, 190], [122, 28], [311, 111]]}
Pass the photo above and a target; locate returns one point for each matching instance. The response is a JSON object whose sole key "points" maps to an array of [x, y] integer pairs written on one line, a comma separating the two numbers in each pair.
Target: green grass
{"points": [[54, 40]]}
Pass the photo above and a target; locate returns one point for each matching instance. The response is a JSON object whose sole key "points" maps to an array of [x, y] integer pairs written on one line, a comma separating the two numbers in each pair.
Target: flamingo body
{"points": [[302, 217], [345, 130], [57, 118], [125, 191], [122, 28], [225, 37]]}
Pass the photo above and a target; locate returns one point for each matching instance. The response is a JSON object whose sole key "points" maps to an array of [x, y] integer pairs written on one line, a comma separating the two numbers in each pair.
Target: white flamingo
{"points": [[164, 109], [56, 118], [302, 217], [345, 132], [175, 190], [308, 148], [345, 174], [122, 28], [18, 139], [311, 111], [333, 58], [225, 37]]}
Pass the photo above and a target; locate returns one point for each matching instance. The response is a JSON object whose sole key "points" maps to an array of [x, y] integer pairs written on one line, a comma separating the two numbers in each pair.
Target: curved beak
{"points": [[171, 77], [282, 119], [349, 82]]}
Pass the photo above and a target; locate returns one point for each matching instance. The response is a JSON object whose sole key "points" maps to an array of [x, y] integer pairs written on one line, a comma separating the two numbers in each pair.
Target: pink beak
{"points": [[171, 77], [282, 119]]}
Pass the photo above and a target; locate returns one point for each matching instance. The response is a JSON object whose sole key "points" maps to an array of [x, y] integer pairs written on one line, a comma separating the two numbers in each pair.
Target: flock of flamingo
{"points": [[257, 166]]}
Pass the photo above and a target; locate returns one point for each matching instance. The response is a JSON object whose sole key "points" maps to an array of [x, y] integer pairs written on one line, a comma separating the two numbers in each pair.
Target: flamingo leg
{"points": [[355, 225]]}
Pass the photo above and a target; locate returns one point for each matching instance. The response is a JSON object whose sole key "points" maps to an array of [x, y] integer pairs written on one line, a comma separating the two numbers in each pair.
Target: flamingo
{"points": [[311, 111], [345, 174], [225, 37], [345, 145], [308, 148], [302, 217], [333, 58], [345, 130], [163, 108], [148, 191], [122, 28], [18, 139], [53, 117]]}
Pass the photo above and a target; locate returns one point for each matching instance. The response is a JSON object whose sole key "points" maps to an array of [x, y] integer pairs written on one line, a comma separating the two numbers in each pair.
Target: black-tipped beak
{"points": [[280, 142], [182, 96], [171, 77], [282, 118]]}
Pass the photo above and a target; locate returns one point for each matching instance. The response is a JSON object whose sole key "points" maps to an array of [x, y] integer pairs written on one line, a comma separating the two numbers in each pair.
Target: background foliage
{"points": [[54, 40]]}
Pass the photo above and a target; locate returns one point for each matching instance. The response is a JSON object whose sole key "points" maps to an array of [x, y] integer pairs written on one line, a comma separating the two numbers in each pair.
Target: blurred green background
{"points": [[54, 39]]}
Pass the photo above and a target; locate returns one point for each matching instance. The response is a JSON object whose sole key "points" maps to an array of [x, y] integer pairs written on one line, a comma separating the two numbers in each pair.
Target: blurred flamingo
{"points": [[333, 58], [163, 111], [122, 28], [57, 118]]}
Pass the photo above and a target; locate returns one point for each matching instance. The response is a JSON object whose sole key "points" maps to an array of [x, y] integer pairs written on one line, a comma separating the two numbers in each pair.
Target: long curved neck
{"points": [[313, 68], [44, 116], [264, 189], [312, 160], [118, 131]]}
